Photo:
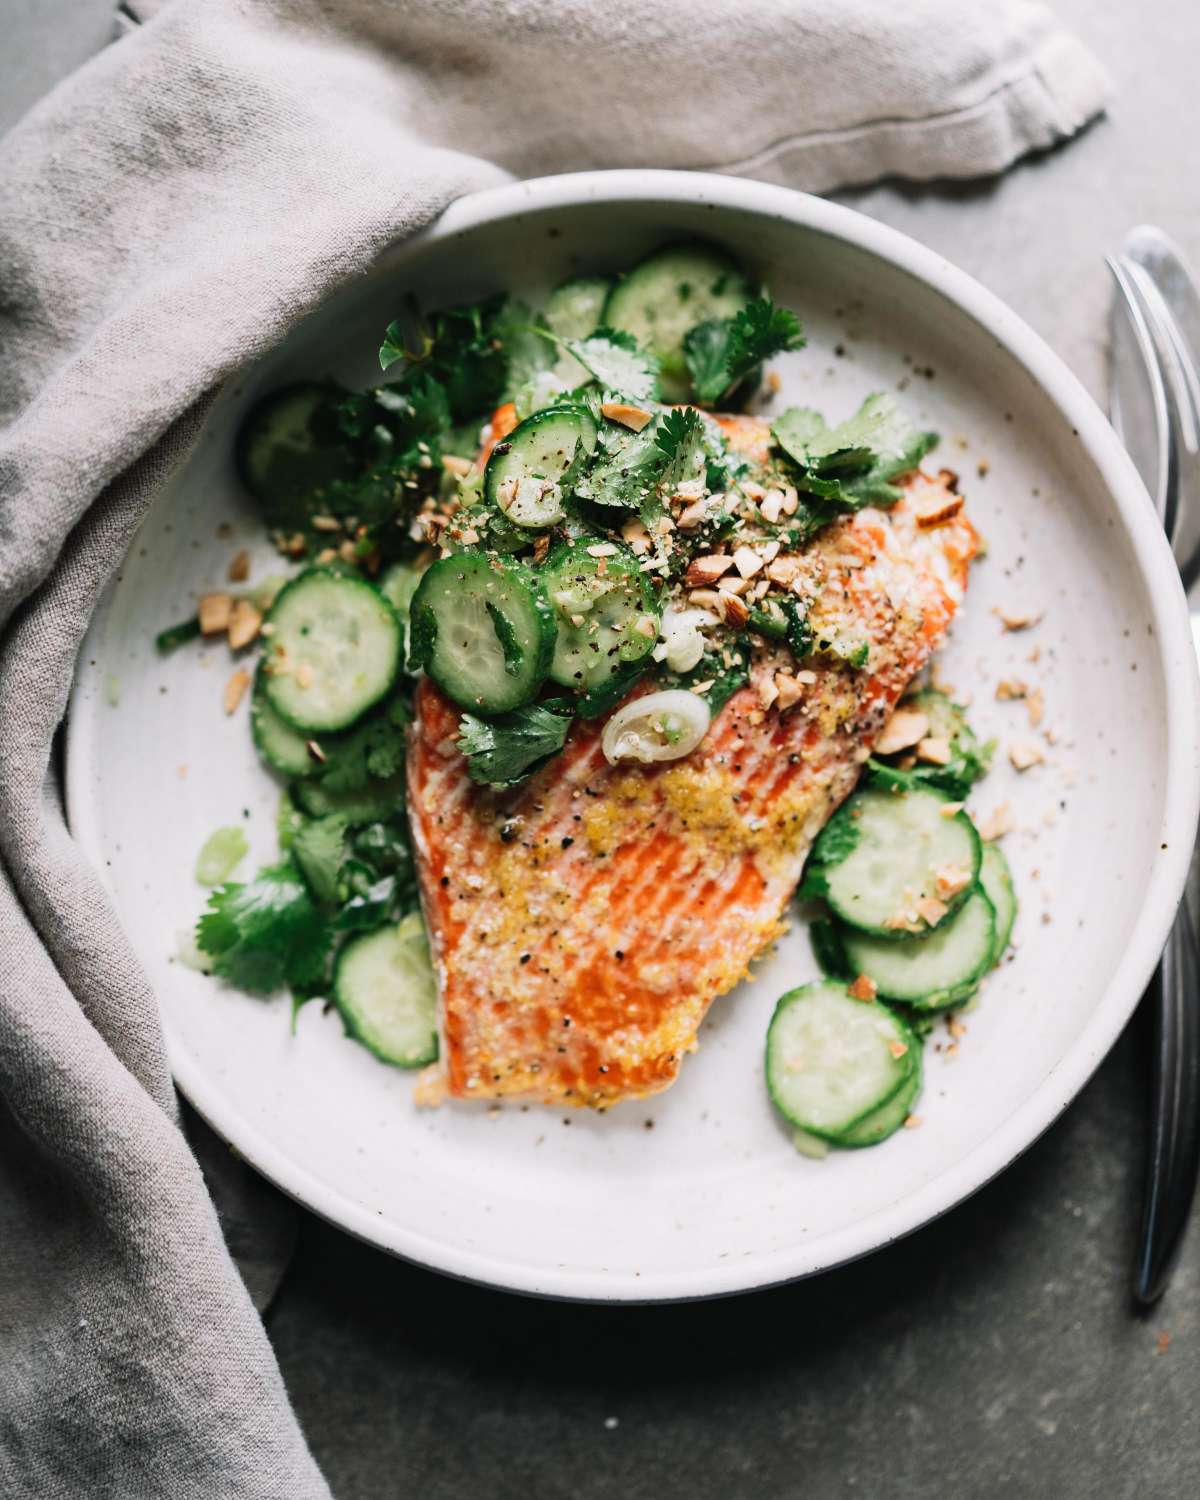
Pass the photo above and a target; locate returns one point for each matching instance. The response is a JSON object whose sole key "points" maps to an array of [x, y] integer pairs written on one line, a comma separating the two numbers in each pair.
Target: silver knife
{"points": [[1155, 409]]}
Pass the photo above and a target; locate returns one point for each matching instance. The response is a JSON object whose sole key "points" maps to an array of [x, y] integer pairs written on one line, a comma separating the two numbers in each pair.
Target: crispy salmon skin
{"points": [[583, 922]]}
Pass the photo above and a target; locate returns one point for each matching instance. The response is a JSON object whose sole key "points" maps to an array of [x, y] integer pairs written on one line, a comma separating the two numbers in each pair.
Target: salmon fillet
{"points": [[583, 922]]}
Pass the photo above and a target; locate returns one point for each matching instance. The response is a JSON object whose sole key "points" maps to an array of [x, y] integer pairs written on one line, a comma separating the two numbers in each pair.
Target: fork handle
{"points": [[1174, 1159]]}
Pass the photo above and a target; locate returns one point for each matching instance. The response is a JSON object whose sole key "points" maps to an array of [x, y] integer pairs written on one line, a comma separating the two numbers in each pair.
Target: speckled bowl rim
{"points": [[1181, 798]]}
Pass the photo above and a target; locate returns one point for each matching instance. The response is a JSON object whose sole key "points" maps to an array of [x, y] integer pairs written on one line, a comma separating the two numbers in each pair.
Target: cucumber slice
{"points": [[889, 1117], [483, 632], [335, 648], [667, 295], [599, 604], [285, 451], [576, 308], [832, 1061], [282, 748], [884, 855], [996, 879], [398, 585], [385, 989], [382, 798], [934, 971], [529, 474]]}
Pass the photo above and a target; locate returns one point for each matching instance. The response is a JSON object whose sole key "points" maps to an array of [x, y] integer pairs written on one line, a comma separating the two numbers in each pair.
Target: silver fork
{"points": [[1155, 408]]}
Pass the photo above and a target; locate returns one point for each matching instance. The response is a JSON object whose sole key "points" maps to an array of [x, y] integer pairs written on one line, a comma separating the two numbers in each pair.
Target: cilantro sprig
{"points": [[723, 353], [504, 750], [855, 462]]}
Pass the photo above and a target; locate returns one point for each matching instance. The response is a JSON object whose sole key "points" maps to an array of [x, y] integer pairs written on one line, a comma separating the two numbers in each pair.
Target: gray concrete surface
{"points": [[994, 1353]]}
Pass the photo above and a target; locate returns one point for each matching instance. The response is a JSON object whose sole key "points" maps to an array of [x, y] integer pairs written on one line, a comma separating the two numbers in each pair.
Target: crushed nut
{"points": [[705, 599], [734, 585], [906, 727], [326, 523], [747, 561], [703, 571], [934, 751], [790, 690], [214, 611], [693, 516], [1022, 756], [244, 624], [764, 686], [1010, 688], [1014, 619], [304, 675], [898, 1048], [602, 549], [771, 506], [1035, 706], [646, 625], [997, 824], [458, 467], [931, 910], [235, 690], [468, 537], [737, 611], [791, 500], [239, 568], [950, 879], [632, 417], [913, 1122], [938, 511], [633, 533], [950, 809], [865, 988], [783, 570]]}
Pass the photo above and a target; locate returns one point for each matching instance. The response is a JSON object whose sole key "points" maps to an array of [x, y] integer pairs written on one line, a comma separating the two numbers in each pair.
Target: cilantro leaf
{"points": [[613, 358], [528, 353], [625, 469], [460, 348], [854, 463], [319, 849], [373, 749], [723, 352], [504, 750], [265, 934]]}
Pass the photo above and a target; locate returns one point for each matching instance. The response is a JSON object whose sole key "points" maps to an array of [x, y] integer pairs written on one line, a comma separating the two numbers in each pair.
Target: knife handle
{"points": [[1174, 996]]}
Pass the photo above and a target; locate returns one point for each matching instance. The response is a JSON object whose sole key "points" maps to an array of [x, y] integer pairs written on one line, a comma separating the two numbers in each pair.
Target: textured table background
{"points": [[993, 1354]]}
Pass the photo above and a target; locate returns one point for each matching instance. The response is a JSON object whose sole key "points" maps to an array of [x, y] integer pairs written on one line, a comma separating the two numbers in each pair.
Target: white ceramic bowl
{"points": [[713, 1198]]}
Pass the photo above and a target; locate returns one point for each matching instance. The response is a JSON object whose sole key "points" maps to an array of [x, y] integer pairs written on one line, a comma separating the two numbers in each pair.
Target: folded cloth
{"points": [[166, 215]]}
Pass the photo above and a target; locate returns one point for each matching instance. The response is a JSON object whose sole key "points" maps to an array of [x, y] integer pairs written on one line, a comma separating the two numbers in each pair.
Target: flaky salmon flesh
{"points": [[583, 922]]}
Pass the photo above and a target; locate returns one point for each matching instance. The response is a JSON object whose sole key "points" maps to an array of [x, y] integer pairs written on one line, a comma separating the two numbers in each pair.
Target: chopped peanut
{"points": [[898, 1048], [326, 523], [931, 910], [1013, 619], [783, 570], [771, 506], [934, 751], [214, 611], [865, 988], [703, 571], [304, 675], [764, 686], [906, 727], [632, 417], [997, 824], [938, 511], [1022, 756], [692, 517], [950, 879], [244, 624], [790, 690], [951, 809], [458, 467], [747, 561], [239, 568], [734, 585], [1010, 688], [235, 690], [634, 534], [737, 611], [646, 625]]}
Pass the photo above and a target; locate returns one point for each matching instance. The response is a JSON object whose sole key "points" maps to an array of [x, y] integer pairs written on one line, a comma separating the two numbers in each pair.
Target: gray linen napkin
{"points": [[166, 215]]}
